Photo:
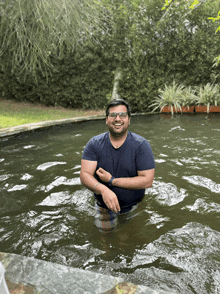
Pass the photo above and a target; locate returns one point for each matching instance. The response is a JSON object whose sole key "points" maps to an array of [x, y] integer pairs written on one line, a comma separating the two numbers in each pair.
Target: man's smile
{"points": [[117, 125]]}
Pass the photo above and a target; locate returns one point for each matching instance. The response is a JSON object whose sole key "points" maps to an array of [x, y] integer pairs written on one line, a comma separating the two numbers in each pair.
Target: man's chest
{"points": [[119, 162]]}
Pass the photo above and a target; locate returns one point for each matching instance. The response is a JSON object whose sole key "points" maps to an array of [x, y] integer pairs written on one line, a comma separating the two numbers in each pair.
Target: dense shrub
{"points": [[149, 50], [82, 80]]}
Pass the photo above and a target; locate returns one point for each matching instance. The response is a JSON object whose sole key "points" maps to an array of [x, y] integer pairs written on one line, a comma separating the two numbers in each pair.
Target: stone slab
{"points": [[27, 275]]}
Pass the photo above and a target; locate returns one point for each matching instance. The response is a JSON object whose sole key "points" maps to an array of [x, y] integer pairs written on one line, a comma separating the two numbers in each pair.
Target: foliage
{"points": [[208, 94], [214, 19], [194, 5], [189, 97], [161, 49], [151, 47], [177, 96], [169, 96], [33, 31], [80, 81]]}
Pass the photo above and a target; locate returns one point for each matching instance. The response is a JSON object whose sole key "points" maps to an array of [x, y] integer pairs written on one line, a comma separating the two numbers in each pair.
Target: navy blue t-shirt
{"points": [[134, 155]]}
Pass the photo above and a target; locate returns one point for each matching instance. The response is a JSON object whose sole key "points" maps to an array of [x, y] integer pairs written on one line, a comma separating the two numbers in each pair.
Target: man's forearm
{"points": [[143, 180], [91, 183], [134, 183], [108, 196]]}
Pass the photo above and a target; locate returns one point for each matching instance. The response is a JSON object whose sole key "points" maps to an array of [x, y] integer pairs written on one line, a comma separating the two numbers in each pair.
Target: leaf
{"points": [[194, 4], [212, 18], [168, 2]]}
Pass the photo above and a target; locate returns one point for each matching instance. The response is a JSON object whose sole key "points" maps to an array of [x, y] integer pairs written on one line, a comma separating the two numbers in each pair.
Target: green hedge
{"points": [[82, 80], [150, 54]]}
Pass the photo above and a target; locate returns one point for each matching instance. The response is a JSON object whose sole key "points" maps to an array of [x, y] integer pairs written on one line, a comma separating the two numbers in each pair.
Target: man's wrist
{"points": [[110, 182], [99, 189]]}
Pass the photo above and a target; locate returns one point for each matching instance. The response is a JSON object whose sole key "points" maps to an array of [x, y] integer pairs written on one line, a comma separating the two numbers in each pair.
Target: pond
{"points": [[172, 241]]}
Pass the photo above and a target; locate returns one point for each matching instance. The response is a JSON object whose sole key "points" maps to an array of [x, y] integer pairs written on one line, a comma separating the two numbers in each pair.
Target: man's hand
{"points": [[103, 175], [108, 196], [111, 200], [87, 178]]}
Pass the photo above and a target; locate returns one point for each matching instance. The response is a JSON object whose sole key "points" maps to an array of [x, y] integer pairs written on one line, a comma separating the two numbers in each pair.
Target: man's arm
{"points": [[87, 178], [143, 180]]}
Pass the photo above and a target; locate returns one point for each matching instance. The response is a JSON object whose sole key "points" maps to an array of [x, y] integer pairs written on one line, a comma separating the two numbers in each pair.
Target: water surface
{"points": [[172, 241]]}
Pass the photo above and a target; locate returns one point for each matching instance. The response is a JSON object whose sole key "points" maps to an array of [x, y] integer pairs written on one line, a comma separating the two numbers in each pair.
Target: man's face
{"points": [[118, 125]]}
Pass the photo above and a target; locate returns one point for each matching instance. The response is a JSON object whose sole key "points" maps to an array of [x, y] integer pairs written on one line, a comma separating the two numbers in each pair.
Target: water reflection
{"points": [[172, 240]]}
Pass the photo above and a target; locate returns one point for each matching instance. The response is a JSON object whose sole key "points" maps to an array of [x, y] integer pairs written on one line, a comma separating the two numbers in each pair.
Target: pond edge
{"points": [[46, 124], [25, 275]]}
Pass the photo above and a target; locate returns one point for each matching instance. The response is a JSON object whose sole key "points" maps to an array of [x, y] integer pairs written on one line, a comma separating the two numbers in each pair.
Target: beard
{"points": [[117, 133]]}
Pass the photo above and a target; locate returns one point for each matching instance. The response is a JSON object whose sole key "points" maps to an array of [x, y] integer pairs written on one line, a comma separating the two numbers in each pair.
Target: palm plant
{"points": [[169, 96], [208, 95]]}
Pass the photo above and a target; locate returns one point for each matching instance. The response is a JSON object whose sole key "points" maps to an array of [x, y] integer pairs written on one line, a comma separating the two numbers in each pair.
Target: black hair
{"points": [[117, 102]]}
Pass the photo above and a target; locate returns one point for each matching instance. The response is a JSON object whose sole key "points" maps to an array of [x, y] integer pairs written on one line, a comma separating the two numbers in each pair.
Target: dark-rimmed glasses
{"points": [[121, 114]]}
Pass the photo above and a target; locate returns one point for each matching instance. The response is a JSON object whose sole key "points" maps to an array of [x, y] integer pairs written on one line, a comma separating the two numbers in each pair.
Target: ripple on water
{"points": [[202, 207], [167, 193], [26, 177], [56, 199], [4, 177], [17, 188], [156, 219], [82, 199], [189, 257], [160, 160], [203, 182], [28, 146], [177, 129], [35, 220], [46, 165], [59, 181]]}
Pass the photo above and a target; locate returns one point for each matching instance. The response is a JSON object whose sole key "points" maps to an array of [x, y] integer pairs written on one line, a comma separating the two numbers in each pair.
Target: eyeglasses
{"points": [[121, 114]]}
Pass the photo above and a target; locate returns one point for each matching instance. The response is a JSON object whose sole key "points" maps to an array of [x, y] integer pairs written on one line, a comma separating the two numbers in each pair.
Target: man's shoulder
{"points": [[93, 147], [135, 137], [137, 141], [99, 138]]}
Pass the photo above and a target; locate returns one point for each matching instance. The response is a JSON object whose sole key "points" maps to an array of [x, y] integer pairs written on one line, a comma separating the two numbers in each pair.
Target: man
{"points": [[118, 165]]}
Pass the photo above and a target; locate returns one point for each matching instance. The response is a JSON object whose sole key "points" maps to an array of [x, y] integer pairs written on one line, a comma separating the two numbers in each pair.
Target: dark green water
{"points": [[173, 240]]}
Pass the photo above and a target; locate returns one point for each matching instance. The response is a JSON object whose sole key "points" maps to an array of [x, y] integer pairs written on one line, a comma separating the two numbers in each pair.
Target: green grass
{"points": [[15, 113]]}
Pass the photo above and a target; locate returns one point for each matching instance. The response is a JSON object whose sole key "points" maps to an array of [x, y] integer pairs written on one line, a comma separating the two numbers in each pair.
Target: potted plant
{"points": [[208, 98], [216, 101], [169, 99], [189, 99]]}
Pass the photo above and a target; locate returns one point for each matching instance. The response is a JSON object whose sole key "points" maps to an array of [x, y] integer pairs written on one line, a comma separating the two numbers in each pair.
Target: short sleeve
{"points": [[90, 152], [145, 157]]}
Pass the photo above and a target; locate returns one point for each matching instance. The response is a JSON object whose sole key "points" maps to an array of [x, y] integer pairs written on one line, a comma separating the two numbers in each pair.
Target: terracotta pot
{"points": [[166, 109], [203, 108], [183, 109], [214, 108], [186, 109]]}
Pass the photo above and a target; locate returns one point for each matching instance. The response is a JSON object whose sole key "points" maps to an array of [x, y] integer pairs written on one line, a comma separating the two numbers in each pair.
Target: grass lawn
{"points": [[18, 113]]}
